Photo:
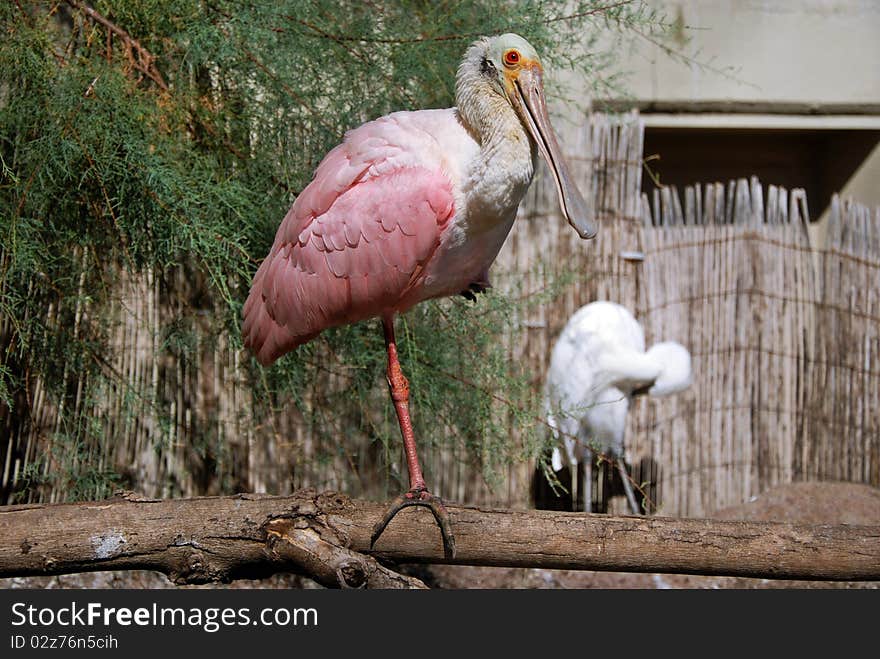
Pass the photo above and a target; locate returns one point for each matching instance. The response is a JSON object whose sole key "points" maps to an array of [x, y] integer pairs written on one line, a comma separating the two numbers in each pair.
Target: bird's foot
{"points": [[474, 289], [419, 496]]}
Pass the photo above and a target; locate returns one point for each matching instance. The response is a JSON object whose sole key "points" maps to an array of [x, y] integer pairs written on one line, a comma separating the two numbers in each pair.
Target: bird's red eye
{"points": [[511, 57]]}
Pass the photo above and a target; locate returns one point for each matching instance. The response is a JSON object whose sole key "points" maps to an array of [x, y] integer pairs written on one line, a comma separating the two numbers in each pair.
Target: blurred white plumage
{"points": [[598, 363]]}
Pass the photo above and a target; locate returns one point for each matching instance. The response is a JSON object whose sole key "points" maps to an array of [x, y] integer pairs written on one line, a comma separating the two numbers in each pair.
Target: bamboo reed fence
{"points": [[784, 339], [843, 402], [734, 282], [783, 333]]}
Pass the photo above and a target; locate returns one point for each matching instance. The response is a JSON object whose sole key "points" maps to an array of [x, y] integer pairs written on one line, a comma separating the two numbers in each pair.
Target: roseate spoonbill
{"points": [[411, 206], [598, 364]]}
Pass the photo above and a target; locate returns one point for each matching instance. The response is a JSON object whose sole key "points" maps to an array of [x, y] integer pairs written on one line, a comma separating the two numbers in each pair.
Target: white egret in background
{"points": [[599, 363]]}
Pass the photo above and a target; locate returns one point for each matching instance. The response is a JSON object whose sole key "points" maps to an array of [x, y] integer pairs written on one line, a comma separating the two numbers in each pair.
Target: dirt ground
{"points": [[804, 503]]}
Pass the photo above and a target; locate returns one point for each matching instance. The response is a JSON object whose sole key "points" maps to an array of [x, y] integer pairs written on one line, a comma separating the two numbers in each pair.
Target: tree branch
{"points": [[145, 60], [325, 561], [326, 536]]}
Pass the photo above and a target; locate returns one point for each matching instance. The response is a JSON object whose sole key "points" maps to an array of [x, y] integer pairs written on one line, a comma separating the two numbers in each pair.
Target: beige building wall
{"points": [[810, 52], [790, 64]]}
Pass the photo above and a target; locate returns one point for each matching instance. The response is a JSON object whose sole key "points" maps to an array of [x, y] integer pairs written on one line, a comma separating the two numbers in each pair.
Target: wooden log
{"points": [[223, 538]]}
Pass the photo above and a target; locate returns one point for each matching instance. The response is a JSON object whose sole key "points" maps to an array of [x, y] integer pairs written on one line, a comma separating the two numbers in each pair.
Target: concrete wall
{"points": [[764, 62], [790, 51]]}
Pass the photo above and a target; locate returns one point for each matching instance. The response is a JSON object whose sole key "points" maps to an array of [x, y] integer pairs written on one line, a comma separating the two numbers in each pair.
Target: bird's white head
{"points": [[508, 67]]}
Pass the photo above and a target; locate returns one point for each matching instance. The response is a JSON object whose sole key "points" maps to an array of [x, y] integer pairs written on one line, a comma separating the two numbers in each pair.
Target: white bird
{"points": [[598, 364]]}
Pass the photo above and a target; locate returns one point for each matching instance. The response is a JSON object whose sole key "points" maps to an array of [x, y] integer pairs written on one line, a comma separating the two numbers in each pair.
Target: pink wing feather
{"points": [[352, 246]]}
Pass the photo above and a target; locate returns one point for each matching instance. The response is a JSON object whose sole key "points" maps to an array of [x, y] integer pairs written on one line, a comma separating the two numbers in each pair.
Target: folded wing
{"points": [[349, 259]]}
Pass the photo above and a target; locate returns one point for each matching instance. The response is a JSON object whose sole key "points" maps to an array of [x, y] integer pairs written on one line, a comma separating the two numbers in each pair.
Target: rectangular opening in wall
{"points": [[819, 160]]}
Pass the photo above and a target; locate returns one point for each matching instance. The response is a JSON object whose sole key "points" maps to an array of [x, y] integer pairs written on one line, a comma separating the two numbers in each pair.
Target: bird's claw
{"points": [[419, 497], [475, 288]]}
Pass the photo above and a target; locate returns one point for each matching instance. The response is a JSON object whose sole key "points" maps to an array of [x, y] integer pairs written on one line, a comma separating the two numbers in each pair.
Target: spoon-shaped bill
{"points": [[532, 107]]}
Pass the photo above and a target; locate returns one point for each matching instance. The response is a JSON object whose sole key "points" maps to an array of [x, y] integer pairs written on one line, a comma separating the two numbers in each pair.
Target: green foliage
{"points": [[114, 163]]}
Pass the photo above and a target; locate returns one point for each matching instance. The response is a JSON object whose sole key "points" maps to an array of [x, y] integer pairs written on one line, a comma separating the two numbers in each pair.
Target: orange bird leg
{"points": [[418, 494]]}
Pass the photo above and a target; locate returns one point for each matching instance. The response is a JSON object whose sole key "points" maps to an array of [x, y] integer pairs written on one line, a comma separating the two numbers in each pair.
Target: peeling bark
{"points": [[326, 536]]}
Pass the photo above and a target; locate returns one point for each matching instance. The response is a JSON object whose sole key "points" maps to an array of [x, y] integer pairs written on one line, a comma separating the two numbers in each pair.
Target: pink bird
{"points": [[411, 206]]}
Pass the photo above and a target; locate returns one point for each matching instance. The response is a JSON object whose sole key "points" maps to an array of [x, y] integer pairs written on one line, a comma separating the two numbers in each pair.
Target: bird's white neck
{"points": [[489, 117], [504, 168]]}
